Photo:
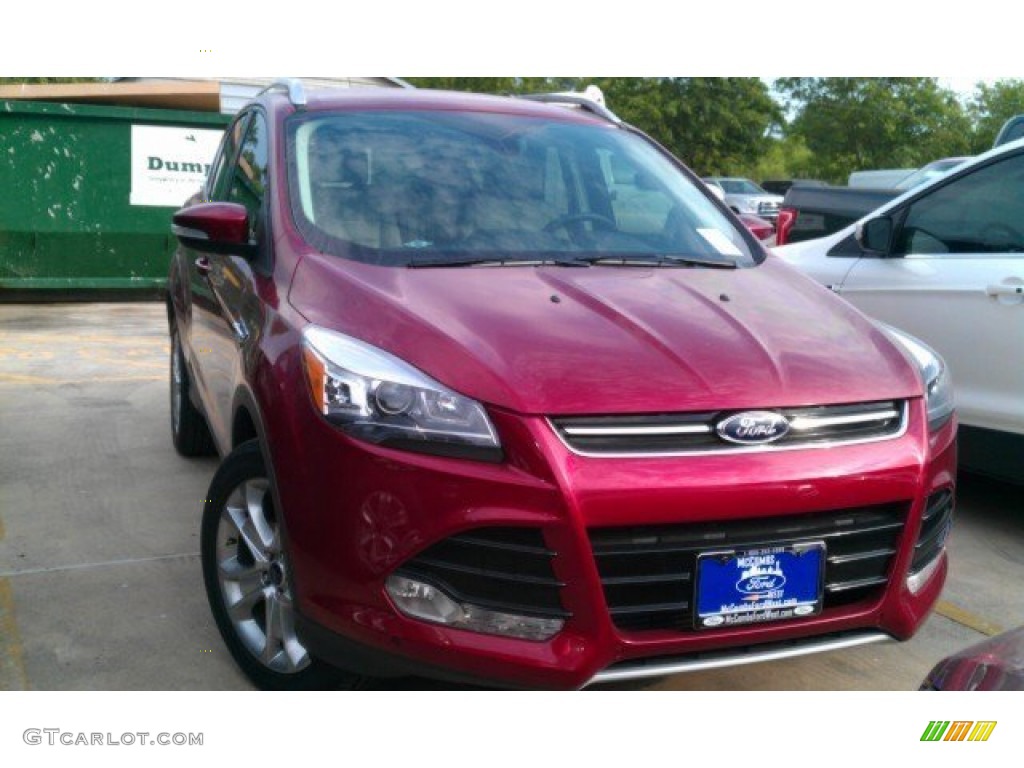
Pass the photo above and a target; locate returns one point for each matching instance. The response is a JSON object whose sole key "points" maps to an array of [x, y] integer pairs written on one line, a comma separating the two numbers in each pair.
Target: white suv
{"points": [[945, 262]]}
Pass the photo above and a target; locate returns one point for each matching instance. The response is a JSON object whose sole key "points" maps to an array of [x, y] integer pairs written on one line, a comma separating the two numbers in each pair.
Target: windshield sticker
{"points": [[717, 239]]}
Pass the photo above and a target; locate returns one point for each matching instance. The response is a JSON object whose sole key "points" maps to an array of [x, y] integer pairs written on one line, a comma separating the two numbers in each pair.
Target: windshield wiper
{"points": [[643, 260], [492, 261], [662, 260]]}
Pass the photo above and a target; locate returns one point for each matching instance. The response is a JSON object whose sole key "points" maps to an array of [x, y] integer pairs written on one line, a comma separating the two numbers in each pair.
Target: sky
{"points": [[965, 85], [526, 38]]}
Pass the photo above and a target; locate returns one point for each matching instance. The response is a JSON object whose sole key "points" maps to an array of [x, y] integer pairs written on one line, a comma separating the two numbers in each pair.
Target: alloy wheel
{"points": [[253, 576]]}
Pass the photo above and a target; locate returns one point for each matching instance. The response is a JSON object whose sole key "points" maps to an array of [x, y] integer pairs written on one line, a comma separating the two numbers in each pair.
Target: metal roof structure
{"points": [[237, 91]]}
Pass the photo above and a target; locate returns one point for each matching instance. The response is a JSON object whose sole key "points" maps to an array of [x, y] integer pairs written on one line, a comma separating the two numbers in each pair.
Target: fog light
{"points": [[420, 600]]}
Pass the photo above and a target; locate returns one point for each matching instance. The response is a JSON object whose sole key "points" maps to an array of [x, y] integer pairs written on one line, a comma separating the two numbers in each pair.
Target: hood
{"points": [[558, 340]]}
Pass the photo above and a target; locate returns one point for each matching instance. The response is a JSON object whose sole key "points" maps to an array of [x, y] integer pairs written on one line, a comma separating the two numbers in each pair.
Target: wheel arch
{"points": [[177, 303], [247, 424], [243, 427]]}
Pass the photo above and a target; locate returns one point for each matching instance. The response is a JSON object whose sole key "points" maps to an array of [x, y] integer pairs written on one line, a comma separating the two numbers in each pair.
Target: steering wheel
{"points": [[576, 218]]}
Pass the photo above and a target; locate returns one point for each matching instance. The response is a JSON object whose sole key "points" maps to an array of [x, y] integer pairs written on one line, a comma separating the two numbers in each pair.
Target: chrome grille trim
{"points": [[702, 425], [801, 423], [682, 429]]}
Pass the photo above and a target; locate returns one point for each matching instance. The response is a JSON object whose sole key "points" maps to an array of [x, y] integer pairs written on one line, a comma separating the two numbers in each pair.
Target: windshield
{"points": [[402, 188], [930, 171], [740, 187]]}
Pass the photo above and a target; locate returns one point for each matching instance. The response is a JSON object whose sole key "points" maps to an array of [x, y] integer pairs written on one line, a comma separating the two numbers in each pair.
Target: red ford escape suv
{"points": [[505, 395]]}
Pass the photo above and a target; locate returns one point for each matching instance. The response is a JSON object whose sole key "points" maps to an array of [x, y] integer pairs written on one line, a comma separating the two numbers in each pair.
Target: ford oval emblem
{"points": [[753, 428], [761, 582]]}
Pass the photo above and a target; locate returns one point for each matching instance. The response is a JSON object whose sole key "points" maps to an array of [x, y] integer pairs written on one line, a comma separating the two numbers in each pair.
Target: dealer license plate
{"points": [[737, 587]]}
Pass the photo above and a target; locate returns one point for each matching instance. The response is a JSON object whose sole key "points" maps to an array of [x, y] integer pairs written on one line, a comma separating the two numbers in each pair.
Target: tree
{"points": [[787, 158], [46, 80], [860, 123], [992, 106], [501, 85], [718, 125]]}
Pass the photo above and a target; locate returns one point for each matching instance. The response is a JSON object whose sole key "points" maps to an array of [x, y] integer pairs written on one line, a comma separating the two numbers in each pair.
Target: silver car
{"points": [[744, 196]]}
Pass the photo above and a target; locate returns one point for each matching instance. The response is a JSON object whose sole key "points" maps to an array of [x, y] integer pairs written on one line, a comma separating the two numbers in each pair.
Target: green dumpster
{"points": [[88, 192]]}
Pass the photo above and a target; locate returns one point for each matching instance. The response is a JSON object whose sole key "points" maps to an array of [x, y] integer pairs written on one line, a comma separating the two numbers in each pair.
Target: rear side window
{"points": [[388, 187]]}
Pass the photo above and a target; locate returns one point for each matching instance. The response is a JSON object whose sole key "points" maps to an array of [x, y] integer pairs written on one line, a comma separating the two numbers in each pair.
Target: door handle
{"points": [[1005, 290], [203, 266]]}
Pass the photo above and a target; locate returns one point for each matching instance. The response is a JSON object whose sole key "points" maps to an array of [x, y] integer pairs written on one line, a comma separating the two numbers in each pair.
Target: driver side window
{"points": [[981, 213], [220, 176]]}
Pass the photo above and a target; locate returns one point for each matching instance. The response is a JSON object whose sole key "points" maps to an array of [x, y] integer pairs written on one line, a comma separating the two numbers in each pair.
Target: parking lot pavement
{"points": [[100, 583]]}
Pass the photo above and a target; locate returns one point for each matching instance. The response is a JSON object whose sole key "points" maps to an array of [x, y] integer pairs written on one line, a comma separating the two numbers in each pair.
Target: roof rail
{"points": [[576, 100], [292, 86]]}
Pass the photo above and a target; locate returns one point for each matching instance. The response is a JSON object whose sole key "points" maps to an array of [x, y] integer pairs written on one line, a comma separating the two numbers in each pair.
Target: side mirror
{"points": [[214, 228], [875, 235]]}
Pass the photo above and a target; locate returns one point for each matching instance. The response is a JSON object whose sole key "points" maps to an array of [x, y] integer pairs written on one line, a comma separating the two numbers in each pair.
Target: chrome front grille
{"points": [[696, 433]]}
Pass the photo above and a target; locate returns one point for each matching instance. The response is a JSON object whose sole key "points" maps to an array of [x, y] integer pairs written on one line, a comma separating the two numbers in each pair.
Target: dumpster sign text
{"points": [[170, 164]]}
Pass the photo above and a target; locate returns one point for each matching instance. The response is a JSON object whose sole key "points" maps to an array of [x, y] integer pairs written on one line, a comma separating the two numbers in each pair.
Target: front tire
{"points": [[248, 581]]}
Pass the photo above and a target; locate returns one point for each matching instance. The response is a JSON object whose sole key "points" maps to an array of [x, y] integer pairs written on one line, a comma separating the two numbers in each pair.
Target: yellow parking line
{"points": [[12, 665], [15, 378], [966, 618], [112, 378], [24, 338], [110, 362], [21, 378]]}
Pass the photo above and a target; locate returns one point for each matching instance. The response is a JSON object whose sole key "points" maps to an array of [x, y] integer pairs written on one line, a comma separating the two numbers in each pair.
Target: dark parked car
{"points": [[505, 394], [996, 664], [812, 212], [782, 186]]}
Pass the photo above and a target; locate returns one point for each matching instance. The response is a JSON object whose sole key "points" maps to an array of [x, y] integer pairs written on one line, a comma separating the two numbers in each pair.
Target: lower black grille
{"points": [[648, 573], [503, 569], [935, 525]]}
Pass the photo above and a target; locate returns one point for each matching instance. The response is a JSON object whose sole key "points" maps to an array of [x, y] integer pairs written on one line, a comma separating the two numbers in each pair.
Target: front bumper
{"points": [[356, 513]]}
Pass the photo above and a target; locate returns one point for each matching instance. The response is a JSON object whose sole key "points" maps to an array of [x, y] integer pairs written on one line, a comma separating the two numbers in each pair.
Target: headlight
{"points": [[938, 386], [374, 396]]}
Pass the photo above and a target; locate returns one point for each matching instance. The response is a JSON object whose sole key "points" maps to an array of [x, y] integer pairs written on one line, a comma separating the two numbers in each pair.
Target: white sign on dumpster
{"points": [[169, 165]]}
